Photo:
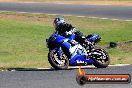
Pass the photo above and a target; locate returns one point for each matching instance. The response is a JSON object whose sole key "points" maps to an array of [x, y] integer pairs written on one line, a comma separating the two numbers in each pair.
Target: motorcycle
{"points": [[64, 52]]}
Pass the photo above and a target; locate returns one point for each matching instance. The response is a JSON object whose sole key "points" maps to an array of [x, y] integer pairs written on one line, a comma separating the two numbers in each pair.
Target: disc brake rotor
{"points": [[60, 61], [99, 55]]}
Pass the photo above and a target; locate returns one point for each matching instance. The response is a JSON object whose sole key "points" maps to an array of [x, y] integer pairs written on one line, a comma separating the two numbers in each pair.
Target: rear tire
{"points": [[101, 61], [54, 60]]}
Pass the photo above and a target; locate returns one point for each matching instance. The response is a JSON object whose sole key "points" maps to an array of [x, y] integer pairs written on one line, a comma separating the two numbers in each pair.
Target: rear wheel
{"points": [[100, 57], [57, 62]]}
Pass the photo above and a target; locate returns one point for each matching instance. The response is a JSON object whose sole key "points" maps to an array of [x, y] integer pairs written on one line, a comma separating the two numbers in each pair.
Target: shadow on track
{"points": [[42, 69]]}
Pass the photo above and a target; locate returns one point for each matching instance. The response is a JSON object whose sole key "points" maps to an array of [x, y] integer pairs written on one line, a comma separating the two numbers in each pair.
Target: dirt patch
{"points": [[127, 46], [37, 19]]}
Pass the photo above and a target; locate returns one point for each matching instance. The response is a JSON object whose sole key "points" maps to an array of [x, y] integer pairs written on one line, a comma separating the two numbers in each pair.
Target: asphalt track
{"points": [[102, 11], [34, 78], [42, 78]]}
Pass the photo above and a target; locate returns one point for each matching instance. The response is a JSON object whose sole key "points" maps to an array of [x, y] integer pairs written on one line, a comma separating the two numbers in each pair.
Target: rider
{"points": [[66, 29]]}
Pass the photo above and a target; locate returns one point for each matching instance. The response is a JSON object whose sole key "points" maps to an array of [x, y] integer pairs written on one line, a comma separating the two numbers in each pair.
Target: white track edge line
{"points": [[116, 65]]}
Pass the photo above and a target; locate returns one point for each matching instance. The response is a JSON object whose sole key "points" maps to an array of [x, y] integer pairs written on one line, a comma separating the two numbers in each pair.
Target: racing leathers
{"points": [[66, 30]]}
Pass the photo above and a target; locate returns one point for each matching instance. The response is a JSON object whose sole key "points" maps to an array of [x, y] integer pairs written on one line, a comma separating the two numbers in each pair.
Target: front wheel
{"points": [[100, 57], [56, 61]]}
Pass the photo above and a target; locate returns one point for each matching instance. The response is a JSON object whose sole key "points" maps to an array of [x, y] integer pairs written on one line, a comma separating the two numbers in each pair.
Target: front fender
{"points": [[93, 38]]}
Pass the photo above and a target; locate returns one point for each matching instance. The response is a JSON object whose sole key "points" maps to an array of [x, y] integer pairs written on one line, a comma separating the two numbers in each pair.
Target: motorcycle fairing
{"points": [[72, 51]]}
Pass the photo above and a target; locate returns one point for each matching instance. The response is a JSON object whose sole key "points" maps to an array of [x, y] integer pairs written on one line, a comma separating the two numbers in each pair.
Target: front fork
{"points": [[59, 53], [89, 50]]}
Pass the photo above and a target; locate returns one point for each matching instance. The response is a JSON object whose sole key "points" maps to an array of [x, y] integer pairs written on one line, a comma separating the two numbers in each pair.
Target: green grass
{"points": [[110, 30], [22, 45], [22, 38]]}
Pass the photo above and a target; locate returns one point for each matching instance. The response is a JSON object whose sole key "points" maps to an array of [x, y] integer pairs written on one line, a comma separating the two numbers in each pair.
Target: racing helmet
{"points": [[58, 21]]}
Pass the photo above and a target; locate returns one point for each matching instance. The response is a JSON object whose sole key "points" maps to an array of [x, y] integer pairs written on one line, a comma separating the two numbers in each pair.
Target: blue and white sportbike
{"points": [[64, 52]]}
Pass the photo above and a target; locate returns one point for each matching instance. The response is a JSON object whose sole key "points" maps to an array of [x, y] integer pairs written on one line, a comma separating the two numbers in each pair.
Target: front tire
{"points": [[100, 57], [60, 63]]}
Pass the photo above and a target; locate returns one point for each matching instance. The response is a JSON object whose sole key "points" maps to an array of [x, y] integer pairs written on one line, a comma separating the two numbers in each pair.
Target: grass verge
{"points": [[23, 35]]}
